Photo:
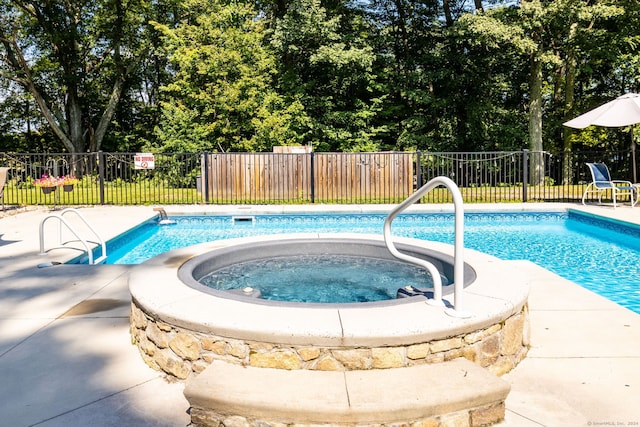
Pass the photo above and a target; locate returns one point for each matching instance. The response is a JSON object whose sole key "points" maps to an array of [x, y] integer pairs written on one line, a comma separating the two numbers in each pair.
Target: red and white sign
{"points": [[143, 161]]}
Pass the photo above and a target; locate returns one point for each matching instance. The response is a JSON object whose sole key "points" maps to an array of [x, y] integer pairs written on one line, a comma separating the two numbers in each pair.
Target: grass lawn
{"points": [[146, 193]]}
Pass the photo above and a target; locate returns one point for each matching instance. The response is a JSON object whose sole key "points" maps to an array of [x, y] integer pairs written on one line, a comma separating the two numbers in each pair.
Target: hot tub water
{"points": [[321, 278]]}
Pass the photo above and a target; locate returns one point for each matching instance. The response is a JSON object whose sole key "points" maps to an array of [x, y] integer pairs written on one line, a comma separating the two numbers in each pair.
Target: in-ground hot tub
{"points": [[181, 326], [317, 271]]}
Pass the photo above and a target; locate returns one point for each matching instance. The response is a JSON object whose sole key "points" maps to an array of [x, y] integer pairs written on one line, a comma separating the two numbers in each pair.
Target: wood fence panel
{"points": [[363, 177], [258, 177]]}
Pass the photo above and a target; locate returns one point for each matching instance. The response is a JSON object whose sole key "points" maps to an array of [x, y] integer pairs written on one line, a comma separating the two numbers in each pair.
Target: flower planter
{"points": [[48, 190], [50, 183]]}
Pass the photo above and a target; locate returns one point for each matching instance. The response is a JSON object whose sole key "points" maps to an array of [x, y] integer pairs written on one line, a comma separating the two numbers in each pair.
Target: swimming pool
{"points": [[600, 255]]}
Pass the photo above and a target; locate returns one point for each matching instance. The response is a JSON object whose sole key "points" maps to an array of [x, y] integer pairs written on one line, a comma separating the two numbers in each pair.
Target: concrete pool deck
{"points": [[66, 356]]}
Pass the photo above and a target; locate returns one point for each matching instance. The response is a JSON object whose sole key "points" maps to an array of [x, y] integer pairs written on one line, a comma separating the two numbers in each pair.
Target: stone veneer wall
{"points": [[474, 417], [180, 352]]}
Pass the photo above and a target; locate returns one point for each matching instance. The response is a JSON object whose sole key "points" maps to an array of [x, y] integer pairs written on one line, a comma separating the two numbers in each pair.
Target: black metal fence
{"points": [[186, 178]]}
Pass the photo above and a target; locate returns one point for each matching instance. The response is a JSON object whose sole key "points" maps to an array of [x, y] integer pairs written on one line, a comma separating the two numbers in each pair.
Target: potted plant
{"points": [[48, 183], [68, 181]]}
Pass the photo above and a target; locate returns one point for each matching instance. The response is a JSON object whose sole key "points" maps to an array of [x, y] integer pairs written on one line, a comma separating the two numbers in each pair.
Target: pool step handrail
{"points": [[62, 221], [458, 246], [164, 218]]}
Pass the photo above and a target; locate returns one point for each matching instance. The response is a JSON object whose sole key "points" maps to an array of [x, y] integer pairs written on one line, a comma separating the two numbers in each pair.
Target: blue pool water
{"points": [[600, 255]]}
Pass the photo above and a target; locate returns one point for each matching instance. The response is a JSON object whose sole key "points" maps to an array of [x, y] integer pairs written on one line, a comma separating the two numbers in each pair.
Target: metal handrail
{"points": [[75, 233], [458, 247]]}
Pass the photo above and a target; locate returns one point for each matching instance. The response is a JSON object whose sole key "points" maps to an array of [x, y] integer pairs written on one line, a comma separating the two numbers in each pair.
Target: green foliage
{"points": [[493, 32], [222, 96], [175, 173], [195, 75], [326, 62], [276, 123]]}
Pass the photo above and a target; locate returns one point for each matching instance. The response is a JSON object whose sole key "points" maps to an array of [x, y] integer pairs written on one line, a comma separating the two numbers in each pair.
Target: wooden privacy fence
{"points": [[307, 177], [241, 178]]}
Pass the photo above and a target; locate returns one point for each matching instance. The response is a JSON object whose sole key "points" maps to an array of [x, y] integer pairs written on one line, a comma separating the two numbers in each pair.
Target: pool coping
{"points": [[332, 326]]}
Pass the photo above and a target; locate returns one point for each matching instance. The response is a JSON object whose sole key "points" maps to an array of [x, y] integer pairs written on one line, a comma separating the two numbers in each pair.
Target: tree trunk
{"points": [[74, 118], [50, 117], [569, 95], [95, 141], [536, 172], [97, 137], [448, 17]]}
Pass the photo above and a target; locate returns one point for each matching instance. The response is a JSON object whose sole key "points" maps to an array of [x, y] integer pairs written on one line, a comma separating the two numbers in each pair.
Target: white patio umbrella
{"points": [[622, 111]]}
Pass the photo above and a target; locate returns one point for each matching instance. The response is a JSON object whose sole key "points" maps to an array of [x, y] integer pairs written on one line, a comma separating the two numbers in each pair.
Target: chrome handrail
{"points": [[84, 242], [458, 246]]}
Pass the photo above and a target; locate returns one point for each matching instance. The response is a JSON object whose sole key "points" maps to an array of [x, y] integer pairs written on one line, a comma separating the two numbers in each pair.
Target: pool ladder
{"points": [[62, 221], [164, 218], [458, 246]]}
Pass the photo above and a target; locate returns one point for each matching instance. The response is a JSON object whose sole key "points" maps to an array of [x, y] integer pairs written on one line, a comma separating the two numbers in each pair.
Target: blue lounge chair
{"points": [[602, 182]]}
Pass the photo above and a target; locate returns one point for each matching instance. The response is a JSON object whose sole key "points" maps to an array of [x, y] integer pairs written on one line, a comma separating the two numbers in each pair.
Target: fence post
{"points": [[418, 171], [312, 178], [100, 157], [525, 173], [204, 179]]}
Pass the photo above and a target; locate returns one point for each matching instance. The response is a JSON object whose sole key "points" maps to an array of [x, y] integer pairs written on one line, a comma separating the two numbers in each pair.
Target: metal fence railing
{"points": [[260, 178], [103, 179]]}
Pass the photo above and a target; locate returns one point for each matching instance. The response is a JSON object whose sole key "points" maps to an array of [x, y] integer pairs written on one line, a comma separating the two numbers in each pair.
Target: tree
{"points": [[221, 97], [408, 39], [327, 63], [438, 80], [139, 110], [552, 35], [74, 58], [486, 61], [561, 31]]}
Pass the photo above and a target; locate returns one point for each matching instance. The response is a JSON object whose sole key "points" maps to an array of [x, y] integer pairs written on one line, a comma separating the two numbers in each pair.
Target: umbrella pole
{"points": [[633, 154]]}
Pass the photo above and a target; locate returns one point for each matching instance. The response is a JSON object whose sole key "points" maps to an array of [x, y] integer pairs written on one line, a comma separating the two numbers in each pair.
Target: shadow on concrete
{"points": [[6, 242], [66, 356]]}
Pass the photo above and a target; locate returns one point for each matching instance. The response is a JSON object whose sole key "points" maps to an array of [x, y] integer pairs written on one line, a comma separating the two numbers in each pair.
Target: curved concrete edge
{"points": [[318, 397], [499, 292]]}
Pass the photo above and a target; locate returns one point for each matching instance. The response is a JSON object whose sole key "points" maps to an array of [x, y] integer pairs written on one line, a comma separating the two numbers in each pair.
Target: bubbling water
{"points": [[321, 278]]}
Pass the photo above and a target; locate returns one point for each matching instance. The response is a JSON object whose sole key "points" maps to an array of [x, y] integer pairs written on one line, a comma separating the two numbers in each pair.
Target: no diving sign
{"points": [[143, 161]]}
